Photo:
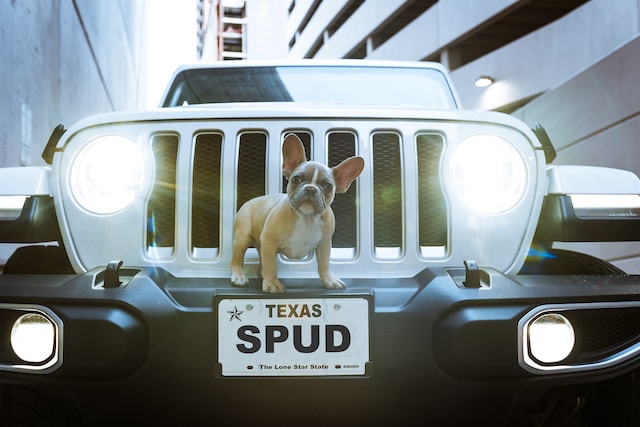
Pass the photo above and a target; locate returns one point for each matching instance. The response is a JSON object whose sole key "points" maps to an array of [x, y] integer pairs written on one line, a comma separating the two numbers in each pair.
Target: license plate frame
{"points": [[293, 336]]}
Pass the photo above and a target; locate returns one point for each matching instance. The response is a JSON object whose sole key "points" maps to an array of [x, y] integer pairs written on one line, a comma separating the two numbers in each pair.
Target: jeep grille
{"points": [[251, 175]]}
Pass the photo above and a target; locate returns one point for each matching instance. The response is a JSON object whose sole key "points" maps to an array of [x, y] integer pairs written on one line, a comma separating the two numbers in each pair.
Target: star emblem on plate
{"points": [[235, 314]]}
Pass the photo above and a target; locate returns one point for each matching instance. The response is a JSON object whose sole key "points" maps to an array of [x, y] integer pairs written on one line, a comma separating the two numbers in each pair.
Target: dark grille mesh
{"points": [[161, 210], [387, 196], [205, 213], [342, 145], [251, 167], [601, 333], [251, 172], [432, 221]]}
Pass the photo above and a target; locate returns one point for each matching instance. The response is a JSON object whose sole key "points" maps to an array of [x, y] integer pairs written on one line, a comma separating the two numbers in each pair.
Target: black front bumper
{"points": [[438, 349]]}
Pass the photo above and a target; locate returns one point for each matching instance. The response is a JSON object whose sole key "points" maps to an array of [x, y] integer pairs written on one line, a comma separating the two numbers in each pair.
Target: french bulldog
{"points": [[293, 223]]}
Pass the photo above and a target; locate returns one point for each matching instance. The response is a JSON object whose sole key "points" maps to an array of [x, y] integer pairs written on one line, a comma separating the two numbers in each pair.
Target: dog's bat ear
{"points": [[292, 154], [346, 172]]}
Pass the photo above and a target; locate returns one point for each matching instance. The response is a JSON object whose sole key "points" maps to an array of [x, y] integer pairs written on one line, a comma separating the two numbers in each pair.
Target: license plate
{"points": [[293, 337]]}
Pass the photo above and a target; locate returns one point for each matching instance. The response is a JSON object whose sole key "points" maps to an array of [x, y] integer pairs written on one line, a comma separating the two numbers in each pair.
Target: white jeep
{"points": [[457, 309]]}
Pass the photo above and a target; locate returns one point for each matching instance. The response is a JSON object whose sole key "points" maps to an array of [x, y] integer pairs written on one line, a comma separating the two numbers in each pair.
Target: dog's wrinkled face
{"points": [[311, 188], [312, 185]]}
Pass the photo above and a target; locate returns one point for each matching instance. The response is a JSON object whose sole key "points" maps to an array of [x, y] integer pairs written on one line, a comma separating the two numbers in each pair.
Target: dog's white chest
{"points": [[304, 238]]}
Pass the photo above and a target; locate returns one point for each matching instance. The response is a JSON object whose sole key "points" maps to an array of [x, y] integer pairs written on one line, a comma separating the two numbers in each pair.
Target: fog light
{"points": [[33, 338], [551, 338]]}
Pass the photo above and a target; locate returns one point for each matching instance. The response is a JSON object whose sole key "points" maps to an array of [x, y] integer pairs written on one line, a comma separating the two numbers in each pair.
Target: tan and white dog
{"points": [[295, 223]]}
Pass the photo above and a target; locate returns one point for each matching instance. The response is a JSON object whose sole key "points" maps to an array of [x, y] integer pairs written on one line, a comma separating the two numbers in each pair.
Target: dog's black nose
{"points": [[310, 190]]}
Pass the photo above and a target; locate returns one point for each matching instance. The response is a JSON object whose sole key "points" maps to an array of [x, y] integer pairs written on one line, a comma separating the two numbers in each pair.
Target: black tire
{"points": [[560, 261]]}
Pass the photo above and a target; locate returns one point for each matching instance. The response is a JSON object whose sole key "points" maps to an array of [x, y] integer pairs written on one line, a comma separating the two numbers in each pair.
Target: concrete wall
{"points": [[29, 76], [314, 29], [266, 35], [59, 68], [66, 59], [360, 24], [440, 25], [63, 60], [548, 57]]}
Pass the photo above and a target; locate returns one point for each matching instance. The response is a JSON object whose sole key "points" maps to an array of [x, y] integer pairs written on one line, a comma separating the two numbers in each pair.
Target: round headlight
{"points": [[551, 338], [107, 174], [488, 174], [33, 338]]}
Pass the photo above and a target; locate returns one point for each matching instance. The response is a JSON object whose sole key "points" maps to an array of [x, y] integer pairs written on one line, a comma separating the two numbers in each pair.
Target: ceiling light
{"points": [[484, 81]]}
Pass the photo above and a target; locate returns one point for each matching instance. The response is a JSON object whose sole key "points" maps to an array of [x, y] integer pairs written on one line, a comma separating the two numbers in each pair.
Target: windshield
{"points": [[336, 84]]}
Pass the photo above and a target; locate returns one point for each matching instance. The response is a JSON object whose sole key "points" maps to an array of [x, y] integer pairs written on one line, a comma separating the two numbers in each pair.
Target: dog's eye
{"points": [[328, 186], [295, 180]]}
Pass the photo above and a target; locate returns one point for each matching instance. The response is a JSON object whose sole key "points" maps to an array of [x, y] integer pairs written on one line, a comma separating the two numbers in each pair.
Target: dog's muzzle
{"points": [[309, 194]]}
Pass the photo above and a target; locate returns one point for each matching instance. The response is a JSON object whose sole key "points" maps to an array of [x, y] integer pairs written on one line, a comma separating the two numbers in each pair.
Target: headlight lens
{"points": [[488, 174], [107, 174], [551, 338], [33, 338]]}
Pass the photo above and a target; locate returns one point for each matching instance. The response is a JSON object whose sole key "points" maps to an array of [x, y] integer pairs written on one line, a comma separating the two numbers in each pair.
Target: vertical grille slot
{"points": [[305, 137], [432, 207], [161, 209], [387, 195], [342, 145], [205, 199], [252, 156]]}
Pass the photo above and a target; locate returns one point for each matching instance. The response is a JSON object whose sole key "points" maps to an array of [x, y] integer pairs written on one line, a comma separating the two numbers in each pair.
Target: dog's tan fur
{"points": [[294, 223]]}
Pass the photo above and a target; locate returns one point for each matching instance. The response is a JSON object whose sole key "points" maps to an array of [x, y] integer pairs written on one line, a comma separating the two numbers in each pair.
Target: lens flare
{"points": [[107, 174], [488, 174]]}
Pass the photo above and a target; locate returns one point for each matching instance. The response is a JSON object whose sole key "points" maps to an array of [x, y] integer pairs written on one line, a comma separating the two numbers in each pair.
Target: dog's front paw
{"points": [[272, 286], [239, 279], [332, 282]]}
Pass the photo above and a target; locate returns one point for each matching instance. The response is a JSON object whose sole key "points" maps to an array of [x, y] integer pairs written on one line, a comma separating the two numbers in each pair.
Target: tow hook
{"points": [[112, 274], [472, 274]]}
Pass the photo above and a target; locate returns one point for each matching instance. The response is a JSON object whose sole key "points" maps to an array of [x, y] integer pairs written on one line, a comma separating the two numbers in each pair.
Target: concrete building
{"points": [[571, 65], [64, 60], [241, 29]]}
